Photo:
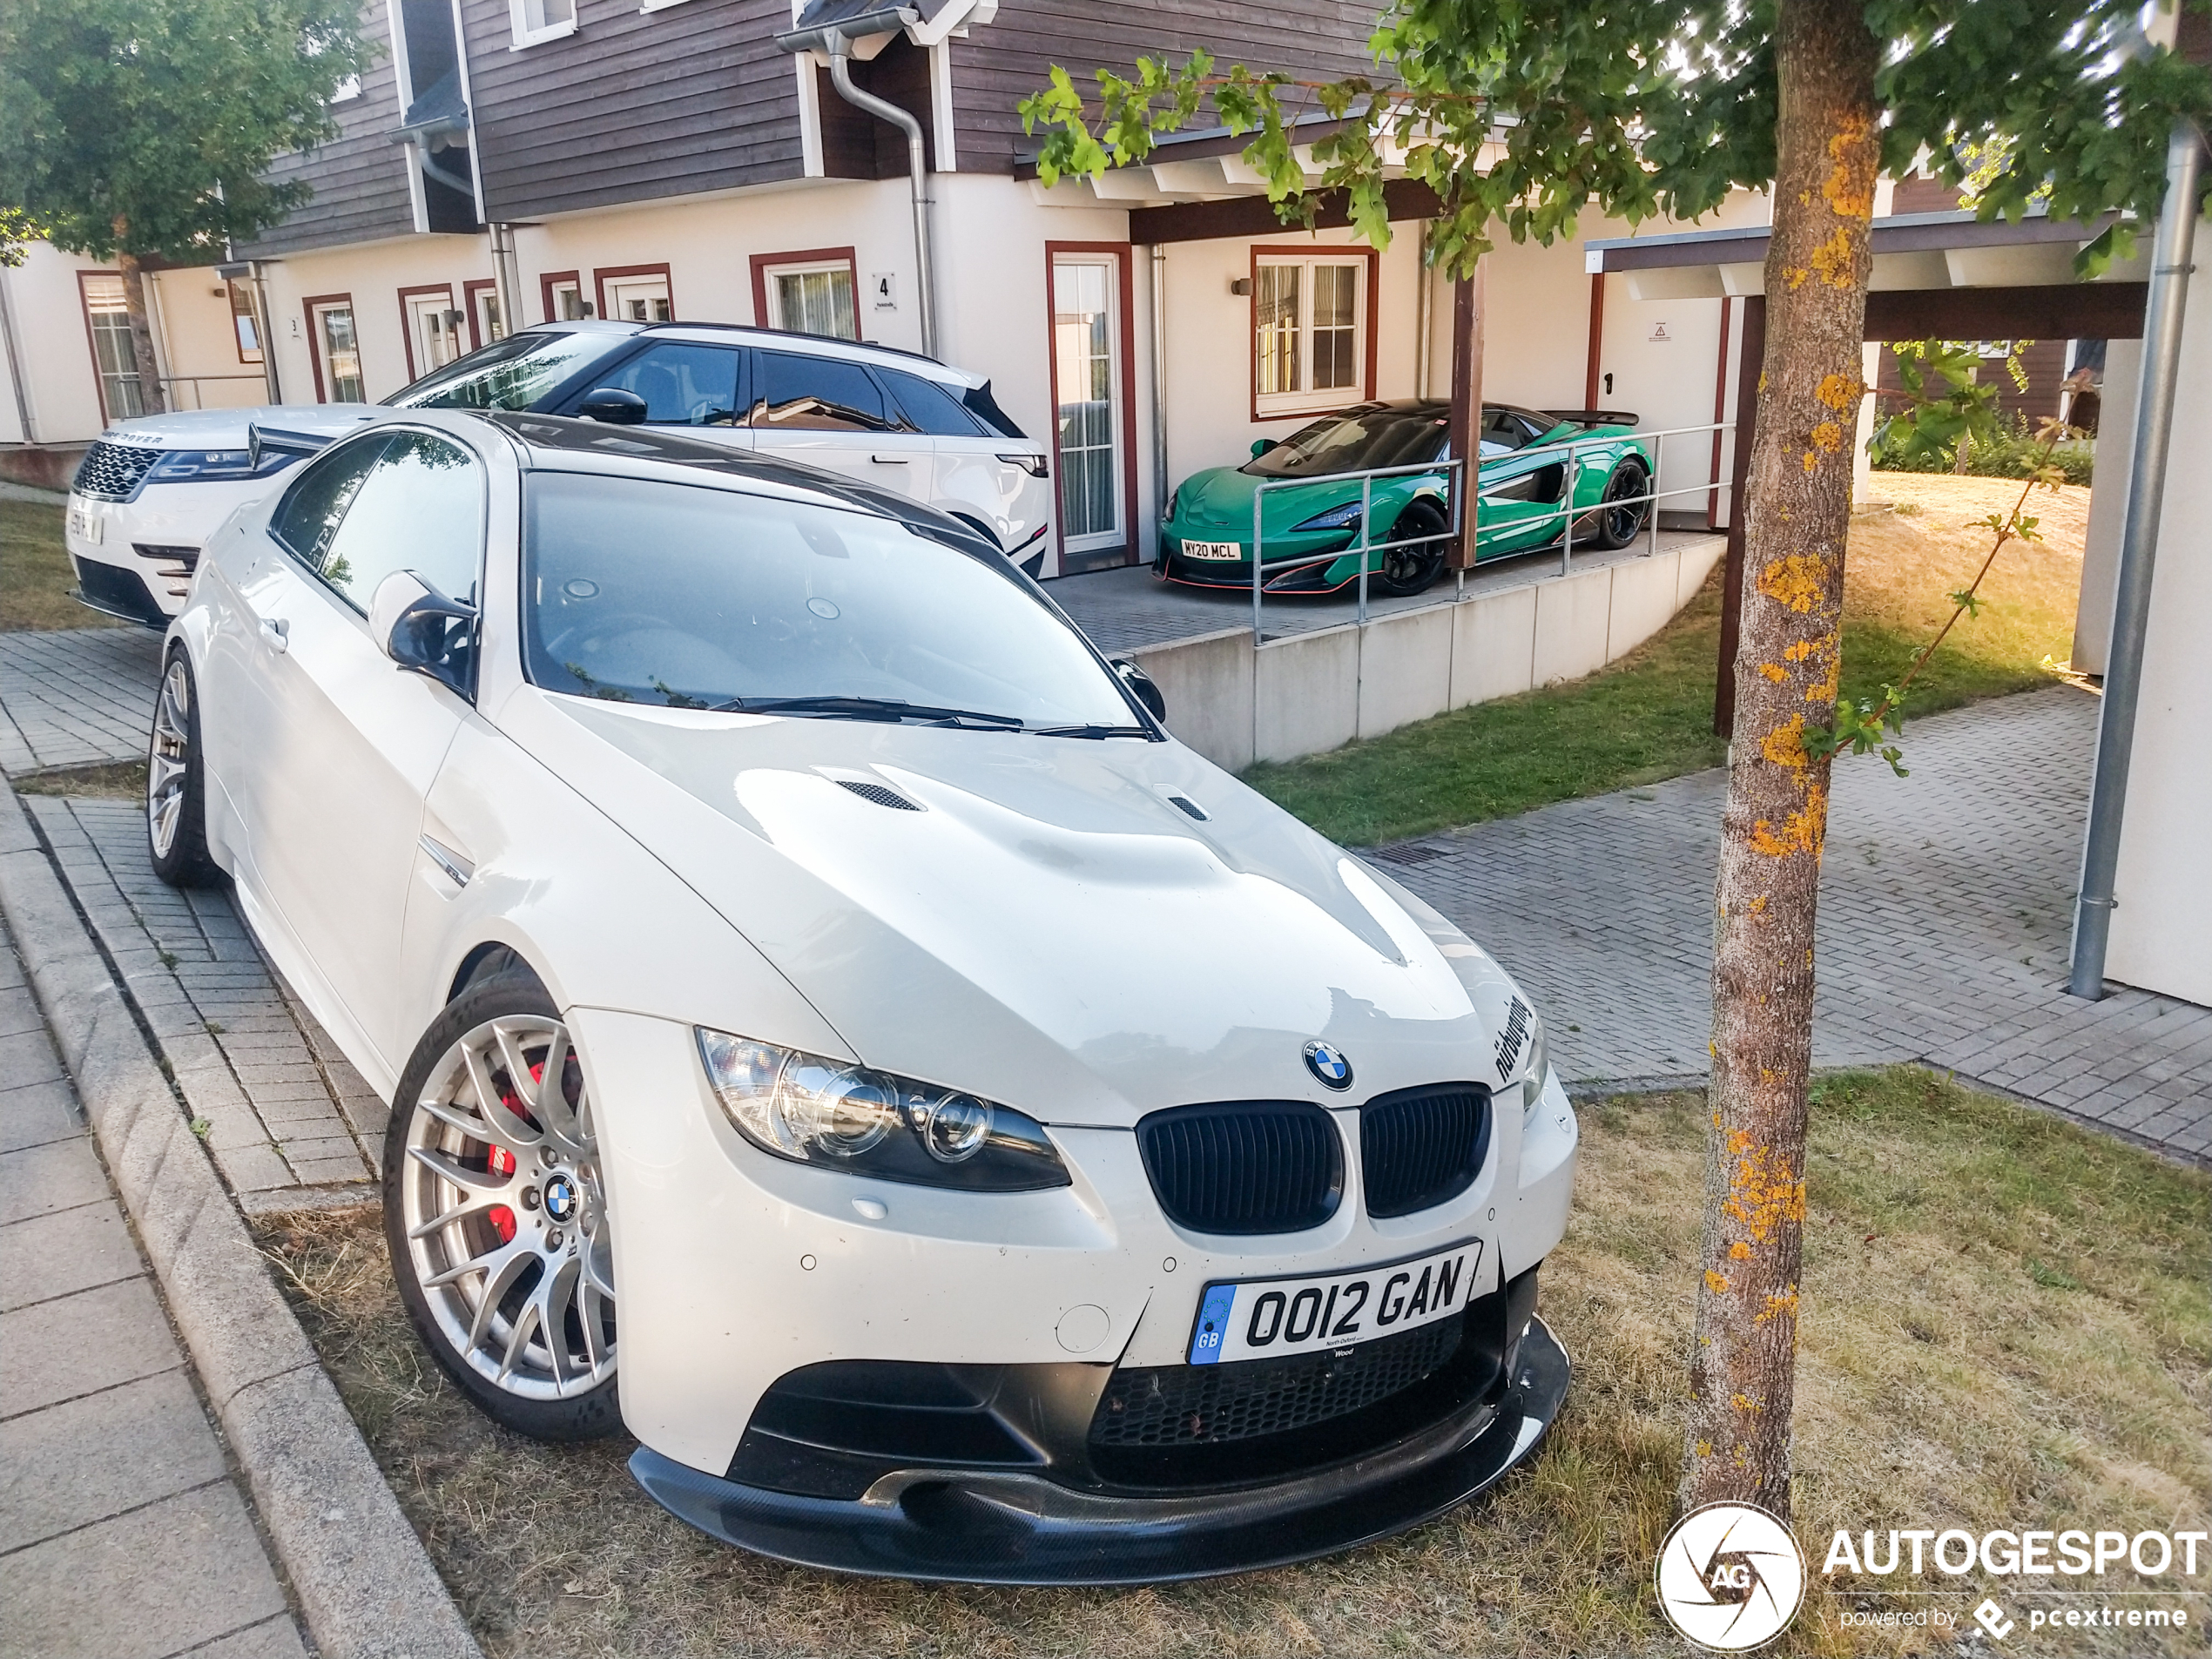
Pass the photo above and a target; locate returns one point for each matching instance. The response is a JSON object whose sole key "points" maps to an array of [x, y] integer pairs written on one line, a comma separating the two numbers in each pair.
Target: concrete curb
{"points": [[364, 1581]]}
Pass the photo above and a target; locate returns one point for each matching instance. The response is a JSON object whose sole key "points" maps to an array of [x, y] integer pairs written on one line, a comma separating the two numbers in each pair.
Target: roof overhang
{"points": [[1913, 253], [860, 28]]}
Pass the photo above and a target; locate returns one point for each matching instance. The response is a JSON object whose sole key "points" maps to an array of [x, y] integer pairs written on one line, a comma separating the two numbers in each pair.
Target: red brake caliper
{"points": [[501, 1161]]}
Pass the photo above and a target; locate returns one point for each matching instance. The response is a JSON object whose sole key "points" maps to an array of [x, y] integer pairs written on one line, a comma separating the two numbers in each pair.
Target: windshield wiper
{"points": [[868, 708], [1090, 732]]}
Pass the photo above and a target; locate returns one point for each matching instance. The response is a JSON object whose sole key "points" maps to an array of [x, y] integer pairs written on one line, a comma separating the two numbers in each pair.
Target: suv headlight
{"points": [[1539, 1063], [176, 466], [839, 1117]]}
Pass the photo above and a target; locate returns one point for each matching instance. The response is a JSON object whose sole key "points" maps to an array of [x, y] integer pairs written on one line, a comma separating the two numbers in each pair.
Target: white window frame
{"points": [[419, 305], [570, 285], [526, 34], [613, 287], [771, 273], [1306, 398]]}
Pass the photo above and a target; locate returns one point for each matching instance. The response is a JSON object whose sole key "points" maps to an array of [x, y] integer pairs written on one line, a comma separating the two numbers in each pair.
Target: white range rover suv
{"points": [[151, 491]]}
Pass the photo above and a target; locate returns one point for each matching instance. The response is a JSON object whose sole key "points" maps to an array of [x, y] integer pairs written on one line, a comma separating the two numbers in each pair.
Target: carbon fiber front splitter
{"points": [[990, 1527]]}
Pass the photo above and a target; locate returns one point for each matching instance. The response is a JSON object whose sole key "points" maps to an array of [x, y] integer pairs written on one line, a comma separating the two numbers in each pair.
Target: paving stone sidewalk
{"points": [[289, 1120], [76, 697], [124, 1533], [1945, 910]]}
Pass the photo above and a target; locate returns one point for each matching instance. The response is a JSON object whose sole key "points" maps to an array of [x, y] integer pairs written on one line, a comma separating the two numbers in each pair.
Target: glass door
{"points": [[1086, 394], [435, 327]]}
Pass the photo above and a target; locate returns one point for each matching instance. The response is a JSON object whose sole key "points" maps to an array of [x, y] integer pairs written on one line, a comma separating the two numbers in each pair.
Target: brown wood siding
{"points": [[857, 145], [1011, 56], [633, 106], [360, 177], [2042, 361]]}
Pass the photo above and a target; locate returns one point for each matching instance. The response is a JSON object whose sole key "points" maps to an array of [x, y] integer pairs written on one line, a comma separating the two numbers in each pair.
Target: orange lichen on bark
{"points": [[1715, 1283], [1781, 1304], [1836, 188], [1796, 581], [1798, 650], [1800, 833], [1774, 671], [1785, 746], [1739, 1252], [1763, 1192], [1759, 907], [1838, 392], [1832, 259]]}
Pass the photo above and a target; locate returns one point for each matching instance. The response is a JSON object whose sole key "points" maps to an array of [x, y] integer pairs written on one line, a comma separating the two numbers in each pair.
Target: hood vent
{"points": [[1191, 807], [879, 794]]}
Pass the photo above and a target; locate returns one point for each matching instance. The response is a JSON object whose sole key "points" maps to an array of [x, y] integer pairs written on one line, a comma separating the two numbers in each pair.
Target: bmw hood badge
{"points": [[1329, 1069]]}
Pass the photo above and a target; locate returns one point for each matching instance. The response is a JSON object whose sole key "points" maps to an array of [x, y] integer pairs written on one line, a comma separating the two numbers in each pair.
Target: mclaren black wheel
{"points": [[1620, 512], [1409, 562]]}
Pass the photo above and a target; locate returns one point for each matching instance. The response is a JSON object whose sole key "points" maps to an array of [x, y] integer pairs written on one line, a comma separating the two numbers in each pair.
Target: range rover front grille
{"points": [[1244, 1166], [113, 471]]}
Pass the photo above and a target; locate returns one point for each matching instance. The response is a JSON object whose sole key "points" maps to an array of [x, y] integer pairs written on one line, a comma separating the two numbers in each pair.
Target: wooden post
{"points": [[1466, 405], [1748, 372]]}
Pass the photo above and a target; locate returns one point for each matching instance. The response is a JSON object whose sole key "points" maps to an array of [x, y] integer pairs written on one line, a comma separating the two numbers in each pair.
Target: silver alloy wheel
{"points": [[506, 1218], [169, 757]]}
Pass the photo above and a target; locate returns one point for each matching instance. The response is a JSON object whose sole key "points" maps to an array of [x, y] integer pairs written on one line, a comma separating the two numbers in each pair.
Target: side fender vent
{"points": [[879, 794]]}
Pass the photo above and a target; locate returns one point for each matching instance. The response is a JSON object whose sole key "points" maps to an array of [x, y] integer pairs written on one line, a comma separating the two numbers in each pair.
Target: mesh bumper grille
{"points": [[1185, 1406]]}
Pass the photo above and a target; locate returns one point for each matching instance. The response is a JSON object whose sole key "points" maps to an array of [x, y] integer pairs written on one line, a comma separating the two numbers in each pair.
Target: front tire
{"points": [[495, 1215], [176, 782], [1408, 569]]}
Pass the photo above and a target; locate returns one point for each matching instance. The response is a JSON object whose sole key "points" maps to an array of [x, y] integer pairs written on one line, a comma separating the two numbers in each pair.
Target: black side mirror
{"points": [[614, 406], [1143, 686], [422, 631]]}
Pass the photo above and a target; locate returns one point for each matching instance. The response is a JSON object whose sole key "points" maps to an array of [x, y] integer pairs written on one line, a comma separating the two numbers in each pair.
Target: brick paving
{"points": [[76, 697], [1946, 906], [289, 1121], [1127, 607], [124, 1533]]}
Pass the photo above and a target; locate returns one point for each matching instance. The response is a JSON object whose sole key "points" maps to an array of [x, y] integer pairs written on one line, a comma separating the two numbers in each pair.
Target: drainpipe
{"points": [[15, 362], [1423, 322], [840, 59], [1160, 485], [507, 275], [2169, 276], [267, 325]]}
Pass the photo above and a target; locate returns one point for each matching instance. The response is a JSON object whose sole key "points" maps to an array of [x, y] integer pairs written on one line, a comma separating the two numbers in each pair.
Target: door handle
{"points": [[276, 633], [891, 460]]}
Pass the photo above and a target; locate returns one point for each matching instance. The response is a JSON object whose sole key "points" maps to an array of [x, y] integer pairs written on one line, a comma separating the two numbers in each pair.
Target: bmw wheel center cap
{"points": [[560, 1198], [1327, 1062]]}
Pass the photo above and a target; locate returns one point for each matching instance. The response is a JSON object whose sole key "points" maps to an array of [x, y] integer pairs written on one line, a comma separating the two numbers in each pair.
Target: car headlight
{"points": [[839, 1117], [1337, 519], [1174, 495], [179, 465], [1539, 1063]]}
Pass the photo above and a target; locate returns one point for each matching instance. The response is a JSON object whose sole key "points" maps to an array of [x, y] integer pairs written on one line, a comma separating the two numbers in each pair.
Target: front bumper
{"points": [[1172, 564], [1000, 1527]]}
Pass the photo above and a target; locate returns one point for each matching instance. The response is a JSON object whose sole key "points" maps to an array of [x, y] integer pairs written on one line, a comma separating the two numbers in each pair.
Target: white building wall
{"points": [[2161, 929], [53, 346]]}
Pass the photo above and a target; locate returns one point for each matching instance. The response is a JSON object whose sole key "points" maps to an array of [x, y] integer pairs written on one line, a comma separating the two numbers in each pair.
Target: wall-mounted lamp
{"points": [[1240, 286]]}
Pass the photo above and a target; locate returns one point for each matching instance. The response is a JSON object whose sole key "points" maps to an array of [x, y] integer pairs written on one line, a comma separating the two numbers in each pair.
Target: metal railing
{"points": [[1565, 514], [1365, 544], [198, 399]]}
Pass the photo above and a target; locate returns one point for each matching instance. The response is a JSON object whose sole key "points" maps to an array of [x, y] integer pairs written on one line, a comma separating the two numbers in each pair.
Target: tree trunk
{"points": [[1742, 1367], [134, 306]]}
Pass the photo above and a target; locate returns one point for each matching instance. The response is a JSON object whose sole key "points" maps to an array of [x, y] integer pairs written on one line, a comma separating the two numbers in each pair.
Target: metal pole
{"points": [[917, 174], [1257, 493], [1366, 538], [15, 362], [1567, 500], [2169, 274], [1651, 525], [1424, 303], [1160, 380]]}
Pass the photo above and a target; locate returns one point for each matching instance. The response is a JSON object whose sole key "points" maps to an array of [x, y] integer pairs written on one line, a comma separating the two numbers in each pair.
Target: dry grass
{"points": [[1954, 1372], [1904, 564], [36, 578], [122, 780]]}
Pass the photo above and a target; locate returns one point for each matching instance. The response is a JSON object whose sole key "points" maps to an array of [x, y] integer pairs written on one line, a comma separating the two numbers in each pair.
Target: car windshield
{"points": [[509, 373], [1359, 442], [686, 597]]}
